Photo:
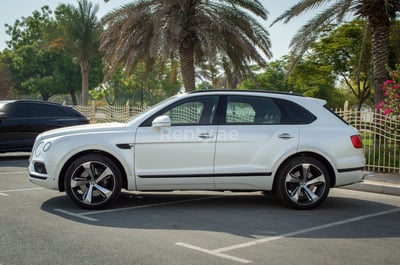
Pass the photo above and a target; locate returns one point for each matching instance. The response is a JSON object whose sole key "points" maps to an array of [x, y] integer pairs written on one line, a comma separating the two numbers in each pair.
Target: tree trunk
{"points": [[73, 97], [380, 57], [85, 81], [186, 53]]}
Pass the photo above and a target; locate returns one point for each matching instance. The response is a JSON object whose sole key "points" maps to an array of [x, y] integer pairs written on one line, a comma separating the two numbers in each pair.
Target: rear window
{"points": [[293, 113]]}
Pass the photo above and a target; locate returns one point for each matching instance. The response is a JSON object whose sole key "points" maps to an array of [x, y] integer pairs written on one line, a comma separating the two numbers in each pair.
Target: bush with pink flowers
{"points": [[391, 102]]}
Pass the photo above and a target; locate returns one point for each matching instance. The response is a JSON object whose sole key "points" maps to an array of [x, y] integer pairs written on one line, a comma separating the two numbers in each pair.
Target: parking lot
{"points": [[40, 226]]}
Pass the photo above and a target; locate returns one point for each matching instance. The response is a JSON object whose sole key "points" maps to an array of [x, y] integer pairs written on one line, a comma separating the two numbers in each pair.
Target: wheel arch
{"points": [[124, 177], [319, 157]]}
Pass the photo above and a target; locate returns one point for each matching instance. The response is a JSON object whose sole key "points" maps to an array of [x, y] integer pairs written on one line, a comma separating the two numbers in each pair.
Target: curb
{"points": [[378, 183]]}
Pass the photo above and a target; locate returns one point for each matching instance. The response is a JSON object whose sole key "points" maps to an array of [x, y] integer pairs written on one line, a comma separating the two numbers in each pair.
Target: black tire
{"points": [[92, 181], [303, 183]]}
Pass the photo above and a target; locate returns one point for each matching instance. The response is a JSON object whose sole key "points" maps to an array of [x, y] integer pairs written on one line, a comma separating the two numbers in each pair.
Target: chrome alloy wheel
{"points": [[305, 184], [92, 181]]}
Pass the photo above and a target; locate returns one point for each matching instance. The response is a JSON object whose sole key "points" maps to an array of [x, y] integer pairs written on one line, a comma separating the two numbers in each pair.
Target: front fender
{"points": [[70, 148]]}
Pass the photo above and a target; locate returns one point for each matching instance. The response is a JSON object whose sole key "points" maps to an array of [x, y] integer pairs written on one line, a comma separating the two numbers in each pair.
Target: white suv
{"points": [[279, 143]]}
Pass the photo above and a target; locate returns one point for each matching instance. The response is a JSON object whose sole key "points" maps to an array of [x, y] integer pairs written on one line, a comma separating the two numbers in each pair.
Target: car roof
{"points": [[4, 102], [27, 101], [246, 92], [39, 102], [298, 98]]}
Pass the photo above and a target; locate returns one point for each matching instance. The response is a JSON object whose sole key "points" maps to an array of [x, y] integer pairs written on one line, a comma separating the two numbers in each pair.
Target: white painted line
{"points": [[83, 215], [12, 173], [213, 253], [307, 230], [76, 215], [4, 194], [17, 190], [150, 205], [219, 251]]}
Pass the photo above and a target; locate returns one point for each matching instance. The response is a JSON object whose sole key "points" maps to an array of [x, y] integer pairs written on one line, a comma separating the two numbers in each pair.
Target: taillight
{"points": [[356, 140]]}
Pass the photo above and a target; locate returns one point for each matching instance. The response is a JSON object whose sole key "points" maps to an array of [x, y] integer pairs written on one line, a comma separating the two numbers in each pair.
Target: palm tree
{"points": [[195, 31], [83, 31], [379, 14]]}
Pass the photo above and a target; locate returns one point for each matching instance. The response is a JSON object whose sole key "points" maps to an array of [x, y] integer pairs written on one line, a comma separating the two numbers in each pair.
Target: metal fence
{"points": [[99, 114], [380, 134], [381, 138]]}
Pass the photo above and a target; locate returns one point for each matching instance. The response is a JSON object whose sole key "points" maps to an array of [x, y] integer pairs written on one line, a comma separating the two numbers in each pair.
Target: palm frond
{"points": [[300, 8], [145, 29]]}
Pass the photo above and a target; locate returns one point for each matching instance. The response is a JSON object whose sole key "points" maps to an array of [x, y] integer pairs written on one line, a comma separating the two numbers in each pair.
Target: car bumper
{"points": [[352, 176], [38, 174]]}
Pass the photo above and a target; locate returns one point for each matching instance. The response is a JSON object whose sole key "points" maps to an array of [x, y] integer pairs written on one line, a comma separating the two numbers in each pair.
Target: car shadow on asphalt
{"points": [[252, 215]]}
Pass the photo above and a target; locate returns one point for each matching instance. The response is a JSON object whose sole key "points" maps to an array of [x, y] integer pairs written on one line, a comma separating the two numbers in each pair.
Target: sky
{"points": [[280, 34]]}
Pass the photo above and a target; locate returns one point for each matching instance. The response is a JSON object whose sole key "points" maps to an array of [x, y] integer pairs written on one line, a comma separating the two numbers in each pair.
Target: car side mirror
{"points": [[161, 121], [3, 115]]}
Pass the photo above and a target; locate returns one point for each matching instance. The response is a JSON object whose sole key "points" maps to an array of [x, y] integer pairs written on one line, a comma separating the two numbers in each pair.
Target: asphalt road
{"points": [[40, 226]]}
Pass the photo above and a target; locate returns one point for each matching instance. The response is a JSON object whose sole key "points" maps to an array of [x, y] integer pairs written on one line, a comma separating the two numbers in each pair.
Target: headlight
{"points": [[42, 147], [46, 146], [38, 148]]}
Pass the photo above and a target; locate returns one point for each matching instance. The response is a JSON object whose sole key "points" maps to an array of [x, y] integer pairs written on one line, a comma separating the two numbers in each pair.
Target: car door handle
{"points": [[285, 136], [205, 136]]}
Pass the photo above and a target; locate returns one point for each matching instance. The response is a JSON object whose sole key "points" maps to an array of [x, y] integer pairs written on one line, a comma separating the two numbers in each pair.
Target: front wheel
{"points": [[303, 183], [92, 181]]}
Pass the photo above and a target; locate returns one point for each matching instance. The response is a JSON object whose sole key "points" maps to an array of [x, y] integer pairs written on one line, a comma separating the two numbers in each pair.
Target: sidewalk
{"points": [[384, 183]]}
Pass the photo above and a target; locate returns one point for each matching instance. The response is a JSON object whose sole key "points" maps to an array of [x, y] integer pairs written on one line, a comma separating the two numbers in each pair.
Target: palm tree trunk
{"points": [[380, 57], [85, 81], [186, 53]]}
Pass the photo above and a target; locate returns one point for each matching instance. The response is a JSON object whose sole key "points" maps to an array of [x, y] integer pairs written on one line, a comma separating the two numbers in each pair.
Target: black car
{"points": [[22, 120]]}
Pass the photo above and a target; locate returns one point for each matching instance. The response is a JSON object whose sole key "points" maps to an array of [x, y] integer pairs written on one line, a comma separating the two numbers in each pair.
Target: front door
{"points": [[179, 155]]}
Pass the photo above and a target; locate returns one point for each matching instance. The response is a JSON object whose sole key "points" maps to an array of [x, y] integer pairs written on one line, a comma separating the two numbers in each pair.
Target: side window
{"points": [[187, 113], [251, 110], [42, 110], [194, 111], [18, 110], [239, 112], [292, 113]]}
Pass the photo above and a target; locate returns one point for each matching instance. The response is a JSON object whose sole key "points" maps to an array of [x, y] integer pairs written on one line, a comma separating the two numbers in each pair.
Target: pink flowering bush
{"points": [[391, 101]]}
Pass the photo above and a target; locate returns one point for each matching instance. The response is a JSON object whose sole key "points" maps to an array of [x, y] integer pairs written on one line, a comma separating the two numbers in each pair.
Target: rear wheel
{"points": [[92, 181], [303, 183]]}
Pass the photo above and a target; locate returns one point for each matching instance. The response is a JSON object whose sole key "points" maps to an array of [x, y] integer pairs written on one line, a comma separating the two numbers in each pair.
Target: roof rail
{"points": [[244, 91]]}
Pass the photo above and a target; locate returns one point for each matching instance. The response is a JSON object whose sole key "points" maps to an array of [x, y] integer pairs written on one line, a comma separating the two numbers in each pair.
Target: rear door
{"points": [[251, 138]]}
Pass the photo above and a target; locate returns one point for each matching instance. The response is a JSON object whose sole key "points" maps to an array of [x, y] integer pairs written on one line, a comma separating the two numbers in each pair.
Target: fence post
{"points": [[127, 109], [346, 111], [93, 112]]}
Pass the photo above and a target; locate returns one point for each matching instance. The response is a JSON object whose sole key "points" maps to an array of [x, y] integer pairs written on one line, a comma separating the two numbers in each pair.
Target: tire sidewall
{"points": [[93, 158], [284, 171]]}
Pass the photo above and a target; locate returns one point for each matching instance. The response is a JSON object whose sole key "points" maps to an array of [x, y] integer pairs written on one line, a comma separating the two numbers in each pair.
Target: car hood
{"points": [[83, 129]]}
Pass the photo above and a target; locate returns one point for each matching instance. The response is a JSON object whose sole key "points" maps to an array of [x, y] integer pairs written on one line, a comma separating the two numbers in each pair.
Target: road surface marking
{"points": [[219, 251], [84, 215], [4, 192]]}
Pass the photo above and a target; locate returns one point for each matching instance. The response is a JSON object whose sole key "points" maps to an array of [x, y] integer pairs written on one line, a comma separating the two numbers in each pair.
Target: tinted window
{"points": [[239, 112], [292, 113], [18, 110], [192, 111], [42, 110], [187, 113], [251, 110]]}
